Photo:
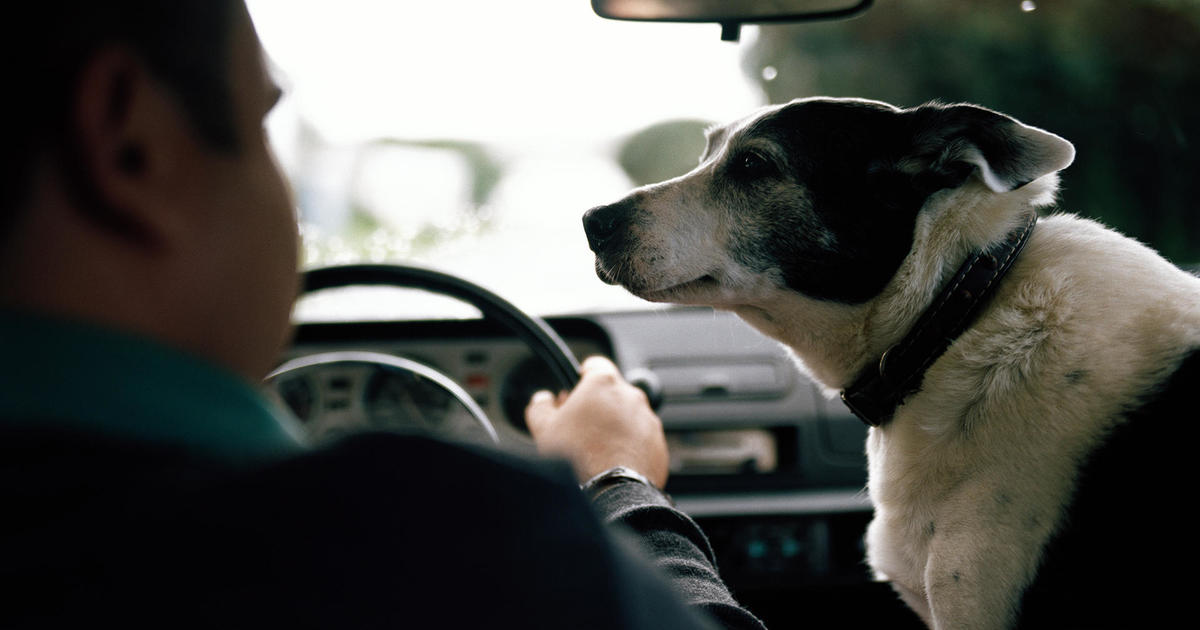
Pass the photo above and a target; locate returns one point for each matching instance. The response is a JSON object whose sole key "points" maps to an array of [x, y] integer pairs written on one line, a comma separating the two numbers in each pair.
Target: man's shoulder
{"points": [[376, 529], [421, 459], [412, 475], [63, 466]]}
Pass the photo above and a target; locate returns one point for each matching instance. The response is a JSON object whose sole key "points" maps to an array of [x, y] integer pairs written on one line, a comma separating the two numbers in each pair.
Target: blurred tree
{"points": [[1118, 79], [486, 169]]}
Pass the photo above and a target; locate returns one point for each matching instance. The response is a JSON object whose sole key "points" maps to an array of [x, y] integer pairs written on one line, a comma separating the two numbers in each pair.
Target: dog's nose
{"points": [[602, 223]]}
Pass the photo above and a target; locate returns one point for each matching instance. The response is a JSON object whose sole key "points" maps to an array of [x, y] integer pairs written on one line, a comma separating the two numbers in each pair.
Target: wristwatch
{"points": [[596, 486]]}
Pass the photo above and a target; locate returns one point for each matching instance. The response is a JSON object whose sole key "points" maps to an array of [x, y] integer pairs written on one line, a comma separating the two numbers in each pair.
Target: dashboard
{"points": [[772, 470]]}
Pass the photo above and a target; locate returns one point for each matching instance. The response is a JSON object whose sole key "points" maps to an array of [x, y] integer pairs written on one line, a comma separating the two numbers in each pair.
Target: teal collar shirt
{"points": [[75, 377]]}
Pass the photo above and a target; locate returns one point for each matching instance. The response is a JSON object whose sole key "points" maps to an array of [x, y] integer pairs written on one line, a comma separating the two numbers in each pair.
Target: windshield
{"points": [[471, 135]]}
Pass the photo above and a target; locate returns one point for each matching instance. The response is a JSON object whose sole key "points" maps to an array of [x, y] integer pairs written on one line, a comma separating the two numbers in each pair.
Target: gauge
{"points": [[299, 395], [522, 381], [362, 391], [396, 399]]}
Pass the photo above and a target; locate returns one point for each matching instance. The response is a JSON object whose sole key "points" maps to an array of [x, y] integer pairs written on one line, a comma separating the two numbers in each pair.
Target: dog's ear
{"points": [[951, 143]]}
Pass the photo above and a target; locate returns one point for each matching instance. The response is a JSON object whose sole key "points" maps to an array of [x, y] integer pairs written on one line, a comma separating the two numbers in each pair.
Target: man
{"points": [[147, 271]]}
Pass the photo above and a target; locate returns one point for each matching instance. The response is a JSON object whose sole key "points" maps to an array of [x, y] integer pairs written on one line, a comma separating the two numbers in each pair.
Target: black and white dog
{"points": [[1028, 382]]}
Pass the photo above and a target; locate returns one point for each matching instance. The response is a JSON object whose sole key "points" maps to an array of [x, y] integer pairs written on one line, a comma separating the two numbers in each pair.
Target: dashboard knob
{"points": [[648, 382]]}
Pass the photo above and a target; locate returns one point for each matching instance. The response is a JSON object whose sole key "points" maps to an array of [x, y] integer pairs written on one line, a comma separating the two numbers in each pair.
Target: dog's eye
{"points": [[751, 164]]}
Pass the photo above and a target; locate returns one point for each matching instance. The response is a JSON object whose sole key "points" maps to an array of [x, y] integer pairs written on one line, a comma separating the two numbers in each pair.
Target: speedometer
{"points": [[396, 399], [336, 393]]}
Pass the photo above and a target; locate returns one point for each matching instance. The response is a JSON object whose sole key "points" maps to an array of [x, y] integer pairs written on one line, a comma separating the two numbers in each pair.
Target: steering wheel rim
{"points": [[534, 331]]}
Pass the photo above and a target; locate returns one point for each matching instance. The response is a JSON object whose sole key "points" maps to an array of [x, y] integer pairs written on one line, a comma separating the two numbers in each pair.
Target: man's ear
{"points": [[952, 143], [126, 148]]}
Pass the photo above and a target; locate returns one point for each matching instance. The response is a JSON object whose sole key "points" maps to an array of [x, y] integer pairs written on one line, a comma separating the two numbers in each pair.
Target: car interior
{"points": [[442, 155]]}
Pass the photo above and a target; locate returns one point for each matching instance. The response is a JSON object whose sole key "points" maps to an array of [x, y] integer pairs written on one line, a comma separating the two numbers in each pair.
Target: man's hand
{"points": [[605, 422]]}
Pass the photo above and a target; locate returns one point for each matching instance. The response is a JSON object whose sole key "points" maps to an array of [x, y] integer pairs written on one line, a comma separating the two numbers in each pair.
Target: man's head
{"points": [[138, 187]]}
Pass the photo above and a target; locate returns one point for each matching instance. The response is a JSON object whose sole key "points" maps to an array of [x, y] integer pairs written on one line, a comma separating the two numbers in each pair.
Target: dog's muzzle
{"points": [[607, 229], [606, 226]]}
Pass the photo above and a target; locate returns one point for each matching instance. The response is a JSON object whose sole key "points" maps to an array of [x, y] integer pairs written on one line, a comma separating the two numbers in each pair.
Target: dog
{"points": [[1027, 378]]}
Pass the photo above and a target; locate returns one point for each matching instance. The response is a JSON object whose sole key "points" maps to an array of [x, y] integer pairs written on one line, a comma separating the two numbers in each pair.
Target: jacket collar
{"points": [[62, 375]]}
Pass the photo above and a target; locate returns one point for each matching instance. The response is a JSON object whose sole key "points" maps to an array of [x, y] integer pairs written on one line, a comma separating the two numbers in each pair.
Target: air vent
{"points": [[723, 379]]}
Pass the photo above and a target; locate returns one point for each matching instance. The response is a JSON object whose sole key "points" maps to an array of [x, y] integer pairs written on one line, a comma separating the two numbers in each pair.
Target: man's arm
{"points": [[677, 546], [606, 423]]}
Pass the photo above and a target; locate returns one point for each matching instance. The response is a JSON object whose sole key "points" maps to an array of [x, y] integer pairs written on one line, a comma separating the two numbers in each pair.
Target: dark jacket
{"points": [[376, 531]]}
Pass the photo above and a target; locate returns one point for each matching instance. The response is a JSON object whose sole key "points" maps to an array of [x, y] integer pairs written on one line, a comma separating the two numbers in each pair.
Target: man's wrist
{"points": [[606, 480]]}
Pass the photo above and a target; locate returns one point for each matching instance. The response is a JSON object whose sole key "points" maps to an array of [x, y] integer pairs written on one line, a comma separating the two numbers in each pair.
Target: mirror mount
{"points": [[730, 14], [731, 31]]}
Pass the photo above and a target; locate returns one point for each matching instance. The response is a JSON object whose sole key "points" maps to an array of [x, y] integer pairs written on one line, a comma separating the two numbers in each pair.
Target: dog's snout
{"points": [[602, 223]]}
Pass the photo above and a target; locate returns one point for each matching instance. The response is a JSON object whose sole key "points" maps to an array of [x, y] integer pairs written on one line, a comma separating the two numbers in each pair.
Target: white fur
{"points": [[996, 491], [987, 450]]}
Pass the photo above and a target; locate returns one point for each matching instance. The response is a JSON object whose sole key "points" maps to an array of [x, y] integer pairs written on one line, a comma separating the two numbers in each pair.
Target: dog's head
{"points": [[819, 197]]}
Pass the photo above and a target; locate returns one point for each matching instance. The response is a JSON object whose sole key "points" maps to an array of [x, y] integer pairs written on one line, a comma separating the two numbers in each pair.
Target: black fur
{"points": [[1124, 557], [843, 154], [827, 191], [854, 159]]}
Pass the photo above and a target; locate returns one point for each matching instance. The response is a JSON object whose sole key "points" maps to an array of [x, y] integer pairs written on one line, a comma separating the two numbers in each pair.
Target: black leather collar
{"points": [[876, 393]]}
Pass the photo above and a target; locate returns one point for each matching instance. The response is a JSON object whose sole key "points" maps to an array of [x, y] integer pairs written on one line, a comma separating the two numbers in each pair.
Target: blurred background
{"points": [[471, 135]]}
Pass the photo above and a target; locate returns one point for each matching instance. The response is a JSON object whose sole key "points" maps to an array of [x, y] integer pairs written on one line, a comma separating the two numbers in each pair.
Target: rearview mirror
{"points": [[730, 14]]}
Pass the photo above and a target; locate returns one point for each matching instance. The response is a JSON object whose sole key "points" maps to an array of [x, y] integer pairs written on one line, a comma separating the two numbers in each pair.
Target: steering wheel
{"points": [[412, 382]]}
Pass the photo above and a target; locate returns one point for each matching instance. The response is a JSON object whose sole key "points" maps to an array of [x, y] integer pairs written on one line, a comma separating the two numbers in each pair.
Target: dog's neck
{"points": [[834, 342], [878, 390], [822, 335]]}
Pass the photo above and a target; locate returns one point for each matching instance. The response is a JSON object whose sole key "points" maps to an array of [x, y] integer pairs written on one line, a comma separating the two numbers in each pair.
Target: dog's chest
{"points": [[959, 523], [907, 493]]}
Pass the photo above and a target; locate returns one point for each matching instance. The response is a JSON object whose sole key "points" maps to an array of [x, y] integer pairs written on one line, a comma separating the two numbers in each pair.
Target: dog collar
{"points": [[876, 393]]}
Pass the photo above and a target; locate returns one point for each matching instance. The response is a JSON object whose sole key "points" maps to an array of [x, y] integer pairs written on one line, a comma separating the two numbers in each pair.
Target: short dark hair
{"points": [[185, 44]]}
